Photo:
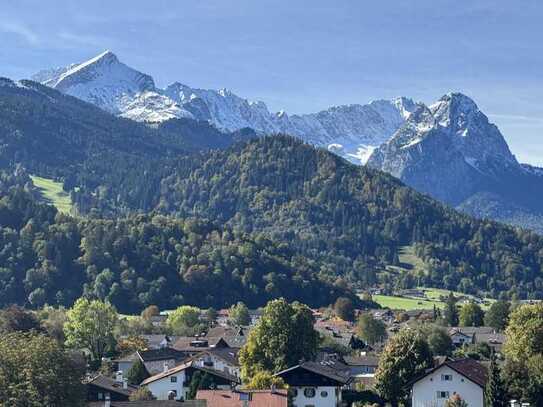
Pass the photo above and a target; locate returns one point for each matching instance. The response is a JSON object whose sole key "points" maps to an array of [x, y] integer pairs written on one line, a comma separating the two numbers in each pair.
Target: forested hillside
{"points": [[350, 221], [49, 258]]}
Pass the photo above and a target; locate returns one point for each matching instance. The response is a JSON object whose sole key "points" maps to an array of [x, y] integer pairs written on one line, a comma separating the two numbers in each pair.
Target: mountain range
{"points": [[269, 203], [448, 150]]}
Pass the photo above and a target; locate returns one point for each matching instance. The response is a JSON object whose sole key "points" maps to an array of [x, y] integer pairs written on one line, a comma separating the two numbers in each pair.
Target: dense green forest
{"points": [[349, 221], [50, 258]]}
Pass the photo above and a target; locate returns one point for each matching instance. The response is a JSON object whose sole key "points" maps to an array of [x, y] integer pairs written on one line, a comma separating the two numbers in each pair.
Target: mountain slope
{"points": [[352, 131], [452, 152], [346, 222]]}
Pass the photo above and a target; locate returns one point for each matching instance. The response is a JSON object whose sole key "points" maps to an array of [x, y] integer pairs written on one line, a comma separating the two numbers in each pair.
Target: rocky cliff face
{"points": [[352, 131]]}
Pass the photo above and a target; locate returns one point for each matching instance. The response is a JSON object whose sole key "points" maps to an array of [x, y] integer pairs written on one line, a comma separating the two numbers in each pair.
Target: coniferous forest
{"points": [[178, 213]]}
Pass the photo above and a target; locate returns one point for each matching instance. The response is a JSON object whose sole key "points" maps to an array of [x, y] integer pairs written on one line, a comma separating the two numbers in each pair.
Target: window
{"points": [[309, 392], [309, 405], [173, 379], [100, 396], [446, 377], [294, 392], [324, 394], [442, 394]]}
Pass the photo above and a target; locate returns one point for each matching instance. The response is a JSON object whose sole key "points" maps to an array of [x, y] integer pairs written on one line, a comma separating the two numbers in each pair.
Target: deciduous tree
{"points": [[90, 325], [405, 356], [283, 337]]}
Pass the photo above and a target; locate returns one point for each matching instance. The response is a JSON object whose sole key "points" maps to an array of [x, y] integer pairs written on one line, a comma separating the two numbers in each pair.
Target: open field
{"points": [[405, 303], [53, 194], [431, 297]]}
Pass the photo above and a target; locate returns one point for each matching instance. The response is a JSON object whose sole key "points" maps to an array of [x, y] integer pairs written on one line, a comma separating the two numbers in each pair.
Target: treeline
{"points": [[49, 258]]}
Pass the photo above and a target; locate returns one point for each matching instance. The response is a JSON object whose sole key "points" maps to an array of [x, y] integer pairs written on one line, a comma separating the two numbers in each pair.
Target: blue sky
{"points": [[304, 56]]}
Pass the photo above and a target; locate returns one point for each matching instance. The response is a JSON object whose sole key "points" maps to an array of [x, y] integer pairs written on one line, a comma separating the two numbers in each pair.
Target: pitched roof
{"points": [[361, 360], [257, 398], [187, 365], [467, 367], [111, 385], [149, 355], [332, 370], [472, 330], [151, 403], [228, 355]]}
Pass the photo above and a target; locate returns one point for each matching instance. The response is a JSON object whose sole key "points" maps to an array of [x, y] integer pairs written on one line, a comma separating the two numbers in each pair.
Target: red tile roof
{"points": [[257, 398]]}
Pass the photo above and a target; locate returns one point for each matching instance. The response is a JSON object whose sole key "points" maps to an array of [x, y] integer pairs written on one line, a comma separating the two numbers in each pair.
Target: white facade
{"points": [[437, 387], [459, 339], [321, 396], [214, 362], [161, 388]]}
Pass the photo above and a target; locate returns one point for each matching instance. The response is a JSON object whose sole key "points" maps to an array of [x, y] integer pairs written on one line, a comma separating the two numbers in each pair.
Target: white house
{"points": [[223, 359], [465, 378], [174, 383], [314, 384]]}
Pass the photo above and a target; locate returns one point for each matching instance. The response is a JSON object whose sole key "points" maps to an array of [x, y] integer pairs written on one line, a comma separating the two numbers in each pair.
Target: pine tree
{"points": [[495, 394], [451, 311]]}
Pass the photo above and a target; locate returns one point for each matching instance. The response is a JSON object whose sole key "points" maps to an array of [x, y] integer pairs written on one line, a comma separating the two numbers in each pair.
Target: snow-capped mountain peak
{"points": [[352, 131]]}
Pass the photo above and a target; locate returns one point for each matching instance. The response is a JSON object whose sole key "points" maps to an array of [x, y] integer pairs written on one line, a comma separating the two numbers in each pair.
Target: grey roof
{"points": [[361, 360], [161, 354], [111, 385], [333, 370], [471, 330]]}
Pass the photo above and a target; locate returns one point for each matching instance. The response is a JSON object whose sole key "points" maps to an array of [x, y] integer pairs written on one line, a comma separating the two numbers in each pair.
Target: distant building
{"points": [[465, 378]]}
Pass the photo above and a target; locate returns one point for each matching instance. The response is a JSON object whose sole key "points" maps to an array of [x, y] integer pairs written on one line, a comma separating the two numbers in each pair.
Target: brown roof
{"points": [[151, 403], [256, 398], [469, 368]]}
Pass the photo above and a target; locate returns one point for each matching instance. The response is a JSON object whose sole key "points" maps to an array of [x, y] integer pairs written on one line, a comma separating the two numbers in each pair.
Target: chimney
{"points": [[107, 402], [166, 368], [119, 376]]}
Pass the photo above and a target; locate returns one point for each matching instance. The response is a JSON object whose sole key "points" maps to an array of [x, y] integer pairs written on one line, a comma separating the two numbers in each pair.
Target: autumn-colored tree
{"points": [[131, 344]]}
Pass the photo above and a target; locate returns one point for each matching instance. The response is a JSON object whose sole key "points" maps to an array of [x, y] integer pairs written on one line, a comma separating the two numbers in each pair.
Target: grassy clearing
{"points": [[406, 303], [53, 194]]}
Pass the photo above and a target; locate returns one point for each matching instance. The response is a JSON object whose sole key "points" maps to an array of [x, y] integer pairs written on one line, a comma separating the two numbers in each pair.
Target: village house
{"points": [[102, 388], [464, 377], [174, 383], [223, 359], [154, 360], [314, 384], [246, 398]]}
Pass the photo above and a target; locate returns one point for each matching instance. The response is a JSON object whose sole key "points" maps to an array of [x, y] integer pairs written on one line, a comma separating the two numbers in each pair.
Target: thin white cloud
{"points": [[21, 30], [81, 39]]}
